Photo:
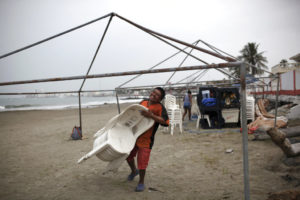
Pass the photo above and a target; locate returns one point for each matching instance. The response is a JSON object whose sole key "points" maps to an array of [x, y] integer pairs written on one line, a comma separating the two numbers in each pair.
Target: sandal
{"points": [[132, 175], [140, 187]]}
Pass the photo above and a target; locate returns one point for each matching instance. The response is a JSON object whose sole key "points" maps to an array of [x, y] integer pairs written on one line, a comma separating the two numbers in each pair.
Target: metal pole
{"points": [[175, 84], [118, 102], [217, 50], [181, 63], [189, 76], [244, 132], [61, 92], [99, 45], [187, 53], [54, 36], [199, 76], [79, 97], [177, 41], [254, 97], [276, 102], [154, 66], [210, 66]]}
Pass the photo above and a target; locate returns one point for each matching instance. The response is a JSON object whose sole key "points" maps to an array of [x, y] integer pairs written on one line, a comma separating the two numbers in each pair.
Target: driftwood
{"points": [[261, 134], [279, 138]]}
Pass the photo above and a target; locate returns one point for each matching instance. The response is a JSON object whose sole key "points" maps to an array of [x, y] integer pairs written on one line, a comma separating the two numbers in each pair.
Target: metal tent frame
{"points": [[230, 62]]}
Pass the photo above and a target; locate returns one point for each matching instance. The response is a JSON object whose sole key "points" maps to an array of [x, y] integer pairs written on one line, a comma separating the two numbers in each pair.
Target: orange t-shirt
{"points": [[146, 140]]}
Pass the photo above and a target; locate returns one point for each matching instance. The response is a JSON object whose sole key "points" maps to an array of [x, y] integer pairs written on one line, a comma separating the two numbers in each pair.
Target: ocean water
{"points": [[56, 103]]}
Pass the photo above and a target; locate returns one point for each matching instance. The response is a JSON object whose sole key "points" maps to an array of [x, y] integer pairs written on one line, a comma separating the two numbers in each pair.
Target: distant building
{"points": [[289, 81], [286, 67]]}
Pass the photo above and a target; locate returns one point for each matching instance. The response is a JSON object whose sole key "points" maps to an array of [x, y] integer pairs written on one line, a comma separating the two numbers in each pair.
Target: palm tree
{"points": [[249, 54]]}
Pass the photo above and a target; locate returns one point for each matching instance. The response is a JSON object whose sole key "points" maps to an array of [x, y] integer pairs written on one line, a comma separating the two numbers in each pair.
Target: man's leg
{"points": [[143, 160], [131, 163], [142, 176], [132, 166]]}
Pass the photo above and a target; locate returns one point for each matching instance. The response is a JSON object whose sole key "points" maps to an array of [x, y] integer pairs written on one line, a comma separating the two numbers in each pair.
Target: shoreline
{"points": [[27, 107]]}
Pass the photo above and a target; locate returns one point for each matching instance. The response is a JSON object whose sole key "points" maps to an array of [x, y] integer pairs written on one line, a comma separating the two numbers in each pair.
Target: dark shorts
{"points": [[143, 156], [187, 105]]}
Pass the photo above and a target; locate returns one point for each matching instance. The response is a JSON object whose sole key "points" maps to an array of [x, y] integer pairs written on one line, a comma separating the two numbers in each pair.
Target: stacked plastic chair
{"points": [[174, 112], [115, 141], [250, 108]]}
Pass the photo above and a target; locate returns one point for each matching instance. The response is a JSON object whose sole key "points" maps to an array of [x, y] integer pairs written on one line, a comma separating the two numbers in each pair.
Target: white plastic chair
{"points": [[250, 109], [115, 141], [170, 102], [174, 113], [250, 105], [204, 117], [176, 119]]}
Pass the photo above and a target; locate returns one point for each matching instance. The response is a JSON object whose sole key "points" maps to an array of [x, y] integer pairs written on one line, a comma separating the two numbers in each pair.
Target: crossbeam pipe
{"points": [[154, 66], [191, 55], [97, 50], [58, 92], [54, 36], [197, 67], [178, 41], [181, 63]]}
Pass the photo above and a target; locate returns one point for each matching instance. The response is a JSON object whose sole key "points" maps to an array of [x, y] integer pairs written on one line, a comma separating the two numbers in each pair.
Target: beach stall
{"points": [[218, 106]]}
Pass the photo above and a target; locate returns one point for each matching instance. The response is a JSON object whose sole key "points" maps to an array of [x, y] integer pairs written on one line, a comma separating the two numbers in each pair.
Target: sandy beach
{"points": [[39, 161]]}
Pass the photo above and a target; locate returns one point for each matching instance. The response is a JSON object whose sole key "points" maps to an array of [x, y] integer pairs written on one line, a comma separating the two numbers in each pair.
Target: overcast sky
{"points": [[226, 24]]}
